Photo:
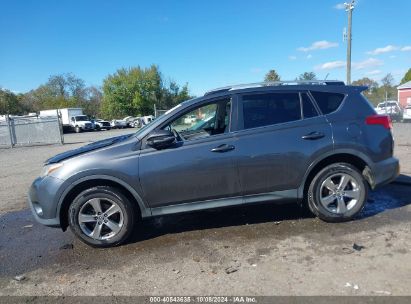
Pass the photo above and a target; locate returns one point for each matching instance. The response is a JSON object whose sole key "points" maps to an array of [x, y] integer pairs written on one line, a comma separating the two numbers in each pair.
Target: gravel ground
{"points": [[259, 250]]}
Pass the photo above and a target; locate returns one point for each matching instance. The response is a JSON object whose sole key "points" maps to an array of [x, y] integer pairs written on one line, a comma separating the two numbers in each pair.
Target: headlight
{"points": [[50, 168]]}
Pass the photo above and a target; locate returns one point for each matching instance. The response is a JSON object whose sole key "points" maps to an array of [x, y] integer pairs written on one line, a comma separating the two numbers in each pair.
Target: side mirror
{"points": [[161, 139]]}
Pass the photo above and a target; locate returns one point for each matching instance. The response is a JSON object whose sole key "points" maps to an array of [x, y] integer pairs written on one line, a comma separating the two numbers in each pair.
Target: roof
{"points": [[274, 84], [406, 85], [320, 85]]}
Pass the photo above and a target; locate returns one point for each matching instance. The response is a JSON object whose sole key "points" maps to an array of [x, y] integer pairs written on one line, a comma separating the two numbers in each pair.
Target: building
{"points": [[404, 94]]}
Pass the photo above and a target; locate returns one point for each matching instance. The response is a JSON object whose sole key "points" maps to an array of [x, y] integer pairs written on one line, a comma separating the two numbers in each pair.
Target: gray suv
{"points": [[319, 144]]}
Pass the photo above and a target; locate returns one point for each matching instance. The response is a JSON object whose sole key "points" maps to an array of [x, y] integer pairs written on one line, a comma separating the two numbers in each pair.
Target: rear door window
{"points": [[309, 109], [328, 102], [270, 109]]}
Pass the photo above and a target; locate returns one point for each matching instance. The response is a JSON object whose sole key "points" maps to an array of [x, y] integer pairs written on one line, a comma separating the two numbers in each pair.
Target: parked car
{"points": [[320, 145], [137, 122], [129, 121], [406, 115], [118, 124], [391, 108], [100, 124], [147, 119]]}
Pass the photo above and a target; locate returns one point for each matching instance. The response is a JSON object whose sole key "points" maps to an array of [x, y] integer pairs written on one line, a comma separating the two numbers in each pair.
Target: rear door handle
{"points": [[313, 135], [223, 148]]}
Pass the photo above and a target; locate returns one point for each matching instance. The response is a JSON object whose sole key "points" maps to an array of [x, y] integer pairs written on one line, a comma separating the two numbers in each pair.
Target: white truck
{"points": [[71, 118]]}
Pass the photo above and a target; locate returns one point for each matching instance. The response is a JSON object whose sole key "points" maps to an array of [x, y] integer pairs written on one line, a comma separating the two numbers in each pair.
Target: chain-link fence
{"points": [[30, 130]]}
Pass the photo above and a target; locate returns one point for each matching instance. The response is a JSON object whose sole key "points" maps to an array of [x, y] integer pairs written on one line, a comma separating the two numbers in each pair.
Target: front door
{"points": [[199, 166]]}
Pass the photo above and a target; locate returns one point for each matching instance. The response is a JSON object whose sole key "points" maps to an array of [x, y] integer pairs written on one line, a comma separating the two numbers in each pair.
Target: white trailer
{"points": [[72, 118]]}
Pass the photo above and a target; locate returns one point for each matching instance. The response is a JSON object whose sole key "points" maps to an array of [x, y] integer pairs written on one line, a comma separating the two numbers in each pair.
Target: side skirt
{"points": [[278, 197]]}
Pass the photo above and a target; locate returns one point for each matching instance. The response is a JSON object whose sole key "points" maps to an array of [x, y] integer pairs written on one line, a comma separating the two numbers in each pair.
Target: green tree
{"points": [[135, 91], [60, 91], [272, 75], [307, 76], [131, 91], [9, 103], [407, 77]]}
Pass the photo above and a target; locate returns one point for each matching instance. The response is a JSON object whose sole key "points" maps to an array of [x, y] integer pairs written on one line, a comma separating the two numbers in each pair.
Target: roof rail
{"points": [[274, 83]]}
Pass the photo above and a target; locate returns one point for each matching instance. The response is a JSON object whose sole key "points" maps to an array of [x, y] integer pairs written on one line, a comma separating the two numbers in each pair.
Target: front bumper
{"points": [[385, 171], [43, 200]]}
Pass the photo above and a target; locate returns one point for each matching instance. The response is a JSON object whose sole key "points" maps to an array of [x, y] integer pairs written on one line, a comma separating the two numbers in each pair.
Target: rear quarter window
{"points": [[328, 102]]}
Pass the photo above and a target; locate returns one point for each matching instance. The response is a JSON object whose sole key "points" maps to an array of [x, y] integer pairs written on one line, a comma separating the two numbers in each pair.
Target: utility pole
{"points": [[349, 7]]}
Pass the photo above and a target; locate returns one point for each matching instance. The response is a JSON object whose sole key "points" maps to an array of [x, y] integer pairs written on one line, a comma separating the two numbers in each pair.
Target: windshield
{"points": [[82, 118]]}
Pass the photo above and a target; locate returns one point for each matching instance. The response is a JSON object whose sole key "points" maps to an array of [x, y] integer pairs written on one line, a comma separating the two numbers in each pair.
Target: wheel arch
{"points": [[358, 160], [97, 180]]}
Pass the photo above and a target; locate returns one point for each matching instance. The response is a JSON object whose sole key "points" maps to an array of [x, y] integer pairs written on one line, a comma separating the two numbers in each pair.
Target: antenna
{"points": [[326, 76], [344, 38]]}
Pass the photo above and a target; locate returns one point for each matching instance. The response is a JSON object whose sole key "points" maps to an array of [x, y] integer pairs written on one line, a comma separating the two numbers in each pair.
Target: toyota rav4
{"points": [[319, 144]]}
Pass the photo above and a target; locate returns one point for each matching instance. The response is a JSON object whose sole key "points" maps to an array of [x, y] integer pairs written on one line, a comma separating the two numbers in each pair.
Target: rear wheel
{"points": [[77, 129], [337, 193], [102, 217]]}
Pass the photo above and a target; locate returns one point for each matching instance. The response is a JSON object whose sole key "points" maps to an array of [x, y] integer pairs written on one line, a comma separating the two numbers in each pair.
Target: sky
{"points": [[207, 44]]}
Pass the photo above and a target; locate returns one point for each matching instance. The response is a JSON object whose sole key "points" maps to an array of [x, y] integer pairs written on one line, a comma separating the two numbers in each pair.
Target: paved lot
{"points": [[259, 250]]}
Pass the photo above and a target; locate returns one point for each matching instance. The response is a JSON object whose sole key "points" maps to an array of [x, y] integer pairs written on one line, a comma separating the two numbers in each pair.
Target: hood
{"points": [[87, 148]]}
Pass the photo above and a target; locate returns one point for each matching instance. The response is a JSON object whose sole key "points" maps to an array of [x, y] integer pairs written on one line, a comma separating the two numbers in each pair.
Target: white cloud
{"points": [[340, 6], [406, 48], [386, 49], [309, 56], [393, 56], [318, 45], [374, 72], [359, 65], [368, 63], [292, 57], [331, 65]]}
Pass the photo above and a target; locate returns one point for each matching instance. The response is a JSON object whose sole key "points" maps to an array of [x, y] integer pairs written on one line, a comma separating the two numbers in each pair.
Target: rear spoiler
{"points": [[360, 89]]}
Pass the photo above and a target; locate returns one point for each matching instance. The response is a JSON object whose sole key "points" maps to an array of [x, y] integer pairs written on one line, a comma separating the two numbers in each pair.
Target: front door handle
{"points": [[313, 135], [223, 148]]}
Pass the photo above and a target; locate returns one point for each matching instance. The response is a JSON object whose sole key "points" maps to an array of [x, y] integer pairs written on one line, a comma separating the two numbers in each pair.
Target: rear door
{"points": [[279, 135]]}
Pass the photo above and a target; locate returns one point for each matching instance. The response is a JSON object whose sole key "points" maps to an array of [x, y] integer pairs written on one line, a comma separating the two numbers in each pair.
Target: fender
{"points": [[145, 210], [356, 153]]}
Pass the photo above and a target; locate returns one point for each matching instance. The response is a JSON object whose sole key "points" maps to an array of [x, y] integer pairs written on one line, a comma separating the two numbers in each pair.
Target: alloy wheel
{"points": [[100, 218], [339, 193]]}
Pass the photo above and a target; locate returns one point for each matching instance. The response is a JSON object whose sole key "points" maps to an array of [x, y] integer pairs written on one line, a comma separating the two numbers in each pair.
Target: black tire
{"points": [[77, 129], [314, 193], [104, 194]]}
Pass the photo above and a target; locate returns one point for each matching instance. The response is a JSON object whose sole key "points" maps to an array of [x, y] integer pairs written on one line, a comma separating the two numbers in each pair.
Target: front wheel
{"points": [[337, 193], [102, 217], [77, 129]]}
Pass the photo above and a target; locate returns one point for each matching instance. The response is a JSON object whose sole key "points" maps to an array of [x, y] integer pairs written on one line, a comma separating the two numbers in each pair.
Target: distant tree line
{"points": [[132, 91]]}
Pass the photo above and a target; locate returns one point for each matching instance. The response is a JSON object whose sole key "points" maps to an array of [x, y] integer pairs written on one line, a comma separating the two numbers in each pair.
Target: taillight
{"points": [[383, 120]]}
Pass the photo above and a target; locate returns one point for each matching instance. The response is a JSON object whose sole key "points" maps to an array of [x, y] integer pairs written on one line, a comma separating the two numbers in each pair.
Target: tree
{"points": [[134, 91], [272, 75], [376, 93], [92, 102], [10, 103], [307, 76], [372, 93], [388, 89], [407, 77]]}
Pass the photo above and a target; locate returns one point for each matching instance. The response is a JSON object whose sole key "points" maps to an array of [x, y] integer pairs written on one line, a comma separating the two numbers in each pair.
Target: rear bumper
{"points": [[385, 171], [42, 200]]}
